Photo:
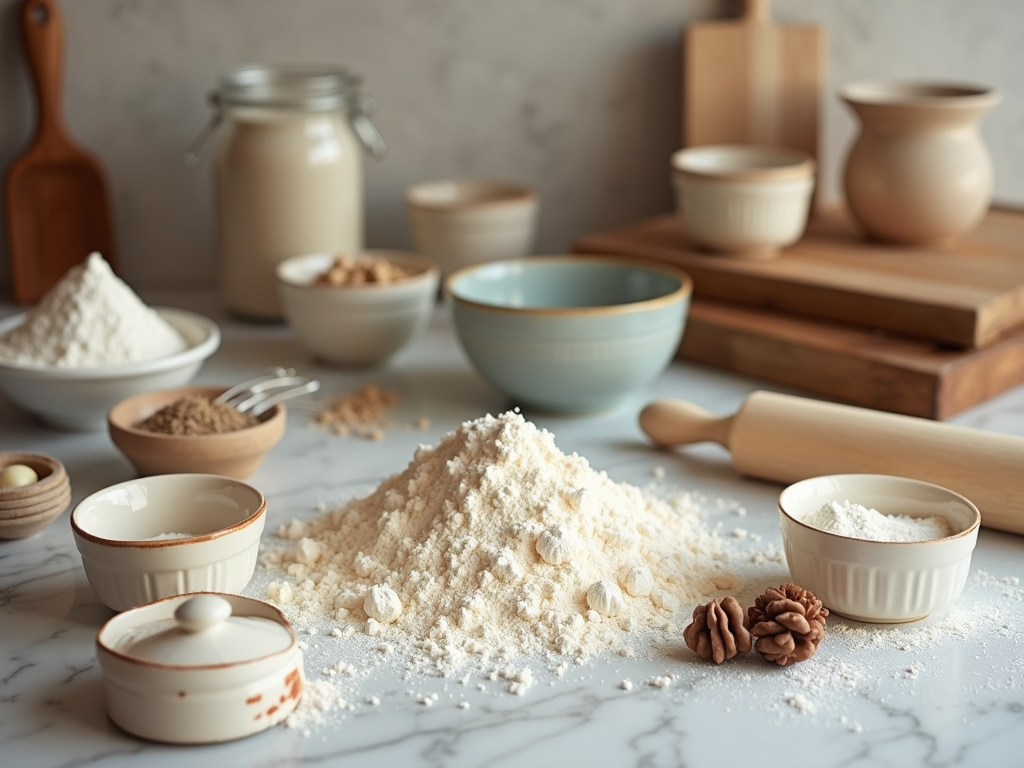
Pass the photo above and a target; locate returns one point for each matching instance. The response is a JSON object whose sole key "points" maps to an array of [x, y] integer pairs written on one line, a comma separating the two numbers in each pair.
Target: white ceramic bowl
{"points": [[79, 398], [458, 222], [126, 565], [569, 334], [211, 677], [745, 200], [362, 325], [879, 581]]}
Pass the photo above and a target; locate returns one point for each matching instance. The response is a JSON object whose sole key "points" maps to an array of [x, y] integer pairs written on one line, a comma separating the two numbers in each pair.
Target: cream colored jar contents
{"points": [[288, 176]]}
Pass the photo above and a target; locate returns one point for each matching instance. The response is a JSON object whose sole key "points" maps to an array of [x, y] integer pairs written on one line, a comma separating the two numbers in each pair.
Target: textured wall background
{"points": [[579, 98]]}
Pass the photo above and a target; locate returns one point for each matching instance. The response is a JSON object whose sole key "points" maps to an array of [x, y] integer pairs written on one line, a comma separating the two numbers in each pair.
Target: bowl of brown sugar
{"points": [[186, 430]]}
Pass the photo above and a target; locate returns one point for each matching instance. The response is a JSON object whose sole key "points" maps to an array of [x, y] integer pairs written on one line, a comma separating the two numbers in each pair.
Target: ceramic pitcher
{"points": [[919, 171]]}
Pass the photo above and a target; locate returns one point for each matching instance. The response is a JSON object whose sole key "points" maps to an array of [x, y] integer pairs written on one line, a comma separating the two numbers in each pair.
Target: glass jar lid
{"points": [[297, 87], [315, 88]]}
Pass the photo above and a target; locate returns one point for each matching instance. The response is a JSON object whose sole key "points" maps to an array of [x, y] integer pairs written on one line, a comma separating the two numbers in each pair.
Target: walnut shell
{"points": [[788, 624], [718, 630]]}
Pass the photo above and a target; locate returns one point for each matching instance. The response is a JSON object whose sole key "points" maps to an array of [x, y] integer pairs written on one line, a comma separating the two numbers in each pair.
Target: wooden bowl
{"points": [[50, 471], [234, 454], [27, 509], [61, 499], [31, 524]]}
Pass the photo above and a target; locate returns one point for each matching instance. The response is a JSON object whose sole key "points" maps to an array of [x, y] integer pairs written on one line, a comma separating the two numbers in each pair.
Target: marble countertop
{"points": [[946, 691]]}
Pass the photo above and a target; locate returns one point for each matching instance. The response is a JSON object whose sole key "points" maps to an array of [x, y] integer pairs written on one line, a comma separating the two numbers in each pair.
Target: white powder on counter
{"points": [[488, 545], [856, 521], [91, 318]]}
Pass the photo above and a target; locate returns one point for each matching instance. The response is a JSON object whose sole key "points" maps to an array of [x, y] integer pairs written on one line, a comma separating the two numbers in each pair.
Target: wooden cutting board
{"points": [[969, 295], [851, 363], [751, 81]]}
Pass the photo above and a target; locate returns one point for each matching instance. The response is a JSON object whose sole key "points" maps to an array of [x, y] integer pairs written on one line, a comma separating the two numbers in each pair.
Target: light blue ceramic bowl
{"points": [[569, 334]]}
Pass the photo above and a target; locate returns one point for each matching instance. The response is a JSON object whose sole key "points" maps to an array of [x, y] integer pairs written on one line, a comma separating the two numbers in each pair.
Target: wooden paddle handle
{"points": [[757, 10], [785, 438], [43, 33]]}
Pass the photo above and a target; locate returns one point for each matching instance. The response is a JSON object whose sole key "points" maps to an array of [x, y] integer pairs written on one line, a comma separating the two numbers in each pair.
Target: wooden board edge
{"points": [[847, 363], [986, 374], [822, 371], [942, 323]]}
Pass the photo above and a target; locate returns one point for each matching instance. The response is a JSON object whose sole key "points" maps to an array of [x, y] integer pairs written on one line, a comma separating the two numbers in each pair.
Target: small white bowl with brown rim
{"points": [[166, 535], [459, 222]]}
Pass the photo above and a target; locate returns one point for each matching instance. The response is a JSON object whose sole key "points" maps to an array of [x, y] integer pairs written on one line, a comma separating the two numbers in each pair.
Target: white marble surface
{"points": [[946, 692], [579, 98]]}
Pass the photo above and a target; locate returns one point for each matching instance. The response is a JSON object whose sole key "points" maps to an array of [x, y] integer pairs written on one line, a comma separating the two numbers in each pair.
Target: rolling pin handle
{"points": [[671, 422]]}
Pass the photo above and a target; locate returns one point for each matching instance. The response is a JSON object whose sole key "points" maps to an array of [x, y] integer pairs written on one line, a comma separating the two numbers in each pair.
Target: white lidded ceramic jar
{"points": [[288, 174], [200, 668]]}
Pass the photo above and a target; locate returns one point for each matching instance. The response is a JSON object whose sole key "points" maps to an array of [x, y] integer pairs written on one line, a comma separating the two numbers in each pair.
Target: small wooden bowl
{"points": [[27, 509], [234, 454], [50, 471], [23, 527], [61, 498], [10, 507]]}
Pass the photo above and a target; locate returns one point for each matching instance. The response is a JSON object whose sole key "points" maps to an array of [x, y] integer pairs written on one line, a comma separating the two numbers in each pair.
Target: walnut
{"points": [[788, 623], [718, 631]]}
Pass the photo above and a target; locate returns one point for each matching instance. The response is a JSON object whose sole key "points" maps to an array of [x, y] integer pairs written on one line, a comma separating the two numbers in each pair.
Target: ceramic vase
{"points": [[918, 172]]}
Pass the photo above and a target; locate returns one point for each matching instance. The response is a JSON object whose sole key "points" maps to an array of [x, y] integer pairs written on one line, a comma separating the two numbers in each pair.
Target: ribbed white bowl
{"points": [[878, 581], [744, 200], [126, 567]]}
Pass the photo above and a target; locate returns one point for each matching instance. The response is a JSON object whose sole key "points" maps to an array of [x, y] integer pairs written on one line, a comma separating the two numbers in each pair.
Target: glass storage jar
{"points": [[288, 175]]}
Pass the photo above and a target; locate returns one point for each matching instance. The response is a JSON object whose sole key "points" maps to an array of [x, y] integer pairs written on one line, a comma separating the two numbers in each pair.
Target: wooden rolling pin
{"points": [[784, 438]]}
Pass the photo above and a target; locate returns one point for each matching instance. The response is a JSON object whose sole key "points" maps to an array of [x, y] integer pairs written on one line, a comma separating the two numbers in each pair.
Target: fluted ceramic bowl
{"points": [[879, 581], [166, 535], [743, 200]]}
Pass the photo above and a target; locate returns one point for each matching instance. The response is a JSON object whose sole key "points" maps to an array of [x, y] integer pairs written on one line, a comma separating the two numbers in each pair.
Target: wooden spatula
{"points": [[58, 209], [751, 81]]}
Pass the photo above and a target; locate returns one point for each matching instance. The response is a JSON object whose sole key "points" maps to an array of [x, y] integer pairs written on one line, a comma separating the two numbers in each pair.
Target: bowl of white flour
{"points": [[878, 548], [91, 342]]}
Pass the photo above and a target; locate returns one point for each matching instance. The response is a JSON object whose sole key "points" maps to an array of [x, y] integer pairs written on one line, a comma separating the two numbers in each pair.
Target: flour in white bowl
{"points": [[859, 522], [91, 318], [490, 546]]}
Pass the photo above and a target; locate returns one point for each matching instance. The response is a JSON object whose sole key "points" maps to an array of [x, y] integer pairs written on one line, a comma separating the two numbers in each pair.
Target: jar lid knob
{"points": [[202, 612]]}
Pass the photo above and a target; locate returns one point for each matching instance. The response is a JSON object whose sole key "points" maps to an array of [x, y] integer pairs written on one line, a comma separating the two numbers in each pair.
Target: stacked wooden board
{"points": [[921, 331]]}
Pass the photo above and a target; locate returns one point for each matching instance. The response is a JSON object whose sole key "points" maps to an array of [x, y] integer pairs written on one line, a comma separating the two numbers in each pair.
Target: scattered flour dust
{"points": [[494, 545], [91, 318]]}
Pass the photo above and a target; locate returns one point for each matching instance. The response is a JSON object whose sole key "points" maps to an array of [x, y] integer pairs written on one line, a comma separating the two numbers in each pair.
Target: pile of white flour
{"points": [[859, 522], [487, 546], [91, 318]]}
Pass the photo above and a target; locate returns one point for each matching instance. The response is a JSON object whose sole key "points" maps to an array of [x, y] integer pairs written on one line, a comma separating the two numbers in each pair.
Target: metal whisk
{"points": [[264, 392]]}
